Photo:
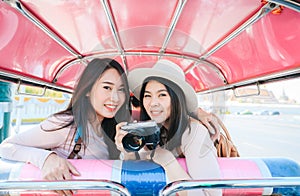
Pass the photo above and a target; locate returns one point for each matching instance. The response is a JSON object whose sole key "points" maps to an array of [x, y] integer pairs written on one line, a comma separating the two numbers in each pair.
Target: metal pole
{"points": [[14, 186], [5, 109], [229, 184]]}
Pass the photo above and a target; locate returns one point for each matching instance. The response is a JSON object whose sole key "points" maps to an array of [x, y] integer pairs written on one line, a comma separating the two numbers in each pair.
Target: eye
{"points": [[122, 89], [163, 95], [147, 95], [107, 87]]}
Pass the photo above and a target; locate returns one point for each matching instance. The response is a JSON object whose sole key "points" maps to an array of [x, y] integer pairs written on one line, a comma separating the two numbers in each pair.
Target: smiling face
{"points": [[157, 101], [107, 94]]}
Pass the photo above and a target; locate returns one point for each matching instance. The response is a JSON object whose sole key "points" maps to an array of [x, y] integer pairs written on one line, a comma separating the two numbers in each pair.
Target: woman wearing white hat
{"points": [[169, 100]]}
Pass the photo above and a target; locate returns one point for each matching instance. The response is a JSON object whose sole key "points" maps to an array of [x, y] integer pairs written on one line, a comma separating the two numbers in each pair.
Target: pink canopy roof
{"points": [[219, 44]]}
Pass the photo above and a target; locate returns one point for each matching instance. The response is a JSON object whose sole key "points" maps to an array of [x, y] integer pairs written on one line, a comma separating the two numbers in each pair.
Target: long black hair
{"points": [[179, 118], [82, 110]]}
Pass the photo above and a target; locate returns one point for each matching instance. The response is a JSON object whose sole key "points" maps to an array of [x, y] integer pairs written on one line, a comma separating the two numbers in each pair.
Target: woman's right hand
{"points": [[57, 168], [118, 141]]}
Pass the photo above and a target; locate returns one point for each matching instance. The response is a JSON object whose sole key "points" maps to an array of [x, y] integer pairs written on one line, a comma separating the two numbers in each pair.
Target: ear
{"points": [[88, 94]]}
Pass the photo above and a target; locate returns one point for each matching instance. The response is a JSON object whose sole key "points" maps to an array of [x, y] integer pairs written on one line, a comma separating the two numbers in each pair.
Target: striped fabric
{"points": [[148, 178]]}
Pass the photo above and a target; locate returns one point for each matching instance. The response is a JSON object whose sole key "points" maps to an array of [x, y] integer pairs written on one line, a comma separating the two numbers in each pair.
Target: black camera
{"points": [[141, 134]]}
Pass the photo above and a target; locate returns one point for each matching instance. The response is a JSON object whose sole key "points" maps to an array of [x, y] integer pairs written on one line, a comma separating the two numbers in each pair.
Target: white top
{"points": [[201, 156], [30, 146], [199, 150]]}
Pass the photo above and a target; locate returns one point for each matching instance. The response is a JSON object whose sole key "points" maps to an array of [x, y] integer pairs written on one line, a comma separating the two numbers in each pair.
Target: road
{"points": [[265, 136]]}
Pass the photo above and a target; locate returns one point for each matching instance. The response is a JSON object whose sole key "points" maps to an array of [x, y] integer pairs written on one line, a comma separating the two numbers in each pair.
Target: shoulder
{"points": [[56, 121], [195, 128], [196, 137]]}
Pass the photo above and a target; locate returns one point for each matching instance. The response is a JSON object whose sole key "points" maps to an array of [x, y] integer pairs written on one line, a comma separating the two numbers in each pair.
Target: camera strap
{"points": [[152, 153], [76, 149], [137, 155], [77, 146]]}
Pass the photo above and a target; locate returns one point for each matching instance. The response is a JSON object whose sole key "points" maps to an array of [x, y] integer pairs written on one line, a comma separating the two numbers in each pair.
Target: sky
{"points": [[291, 88]]}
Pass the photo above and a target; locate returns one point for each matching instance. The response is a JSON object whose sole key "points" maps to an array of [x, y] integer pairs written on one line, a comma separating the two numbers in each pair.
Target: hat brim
{"points": [[137, 77]]}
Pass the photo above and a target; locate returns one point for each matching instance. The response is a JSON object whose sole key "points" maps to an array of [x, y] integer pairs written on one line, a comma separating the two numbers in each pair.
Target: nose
{"points": [[154, 102], [115, 96]]}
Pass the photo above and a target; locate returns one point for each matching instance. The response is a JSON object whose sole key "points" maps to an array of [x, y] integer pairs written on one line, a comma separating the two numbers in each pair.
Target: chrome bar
{"points": [[222, 77], [292, 4], [258, 80], [18, 6], [64, 185], [229, 184], [19, 92], [124, 63], [261, 13], [30, 81], [114, 30], [172, 25], [88, 57], [112, 25], [235, 92], [70, 64], [204, 61]]}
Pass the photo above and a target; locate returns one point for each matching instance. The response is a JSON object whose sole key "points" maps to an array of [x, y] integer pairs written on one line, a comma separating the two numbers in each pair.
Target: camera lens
{"points": [[141, 134], [132, 142]]}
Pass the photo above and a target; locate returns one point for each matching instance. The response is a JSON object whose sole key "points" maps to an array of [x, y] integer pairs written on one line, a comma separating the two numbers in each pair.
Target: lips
{"points": [[155, 112], [111, 107]]}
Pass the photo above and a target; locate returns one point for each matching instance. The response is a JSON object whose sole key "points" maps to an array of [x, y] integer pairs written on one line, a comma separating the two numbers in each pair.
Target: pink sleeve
{"points": [[30, 145]]}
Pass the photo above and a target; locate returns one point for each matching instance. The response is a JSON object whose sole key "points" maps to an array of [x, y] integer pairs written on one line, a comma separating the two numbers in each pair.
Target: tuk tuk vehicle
{"points": [[228, 50]]}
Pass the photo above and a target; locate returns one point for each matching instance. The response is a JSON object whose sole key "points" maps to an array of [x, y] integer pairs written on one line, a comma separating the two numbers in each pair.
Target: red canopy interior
{"points": [[219, 44]]}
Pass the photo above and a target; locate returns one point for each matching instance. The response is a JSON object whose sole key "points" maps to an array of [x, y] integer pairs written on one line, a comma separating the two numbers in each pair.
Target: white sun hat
{"points": [[168, 70]]}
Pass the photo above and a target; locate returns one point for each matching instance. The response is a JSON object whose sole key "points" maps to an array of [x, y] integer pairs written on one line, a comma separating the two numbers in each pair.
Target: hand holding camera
{"points": [[140, 134]]}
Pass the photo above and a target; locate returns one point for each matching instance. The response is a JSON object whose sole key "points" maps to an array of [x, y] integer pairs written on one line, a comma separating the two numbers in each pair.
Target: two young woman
{"points": [[100, 101]]}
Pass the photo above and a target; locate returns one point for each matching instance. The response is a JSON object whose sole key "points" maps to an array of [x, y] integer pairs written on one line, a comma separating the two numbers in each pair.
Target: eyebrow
{"points": [[159, 91], [110, 83], [106, 82]]}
